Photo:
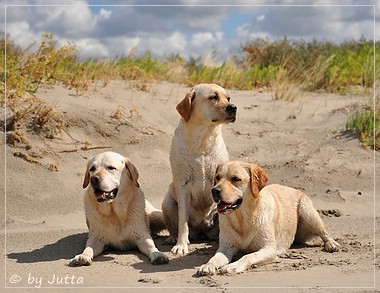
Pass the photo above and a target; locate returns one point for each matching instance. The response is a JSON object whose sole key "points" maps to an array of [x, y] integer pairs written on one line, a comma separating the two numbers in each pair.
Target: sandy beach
{"points": [[302, 144]]}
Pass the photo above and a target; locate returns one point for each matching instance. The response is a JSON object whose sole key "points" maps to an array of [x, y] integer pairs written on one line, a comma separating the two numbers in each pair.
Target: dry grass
{"points": [[287, 68]]}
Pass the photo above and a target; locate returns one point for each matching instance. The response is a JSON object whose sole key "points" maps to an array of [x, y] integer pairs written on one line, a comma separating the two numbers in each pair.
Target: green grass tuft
{"points": [[367, 124]]}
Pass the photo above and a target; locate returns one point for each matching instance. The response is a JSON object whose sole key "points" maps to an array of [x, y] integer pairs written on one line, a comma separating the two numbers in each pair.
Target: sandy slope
{"points": [[300, 144]]}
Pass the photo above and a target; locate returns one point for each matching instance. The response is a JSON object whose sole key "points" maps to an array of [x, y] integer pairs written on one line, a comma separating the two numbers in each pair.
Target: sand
{"points": [[301, 144]]}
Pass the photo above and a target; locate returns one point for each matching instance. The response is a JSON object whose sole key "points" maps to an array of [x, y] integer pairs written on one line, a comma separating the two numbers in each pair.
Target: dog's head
{"points": [[206, 103], [234, 181], [104, 172]]}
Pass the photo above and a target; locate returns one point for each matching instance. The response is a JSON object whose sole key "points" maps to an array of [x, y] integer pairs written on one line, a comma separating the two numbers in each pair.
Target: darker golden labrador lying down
{"points": [[260, 220]]}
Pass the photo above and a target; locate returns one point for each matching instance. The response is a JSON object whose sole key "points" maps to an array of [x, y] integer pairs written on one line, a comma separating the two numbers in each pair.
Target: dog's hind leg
{"points": [[170, 214], [156, 218], [310, 225]]}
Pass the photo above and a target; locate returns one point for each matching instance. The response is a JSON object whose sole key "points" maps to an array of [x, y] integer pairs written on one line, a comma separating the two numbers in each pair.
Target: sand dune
{"points": [[300, 144]]}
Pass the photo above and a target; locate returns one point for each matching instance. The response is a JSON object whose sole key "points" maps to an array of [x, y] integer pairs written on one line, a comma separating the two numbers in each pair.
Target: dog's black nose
{"points": [[216, 194], [231, 108], [95, 179]]}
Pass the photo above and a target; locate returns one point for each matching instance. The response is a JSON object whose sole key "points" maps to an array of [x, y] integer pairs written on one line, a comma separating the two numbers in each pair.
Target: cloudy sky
{"points": [[187, 27]]}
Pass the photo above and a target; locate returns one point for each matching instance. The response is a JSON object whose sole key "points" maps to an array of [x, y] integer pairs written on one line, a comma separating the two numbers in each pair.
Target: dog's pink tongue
{"points": [[222, 205], [101, 196]]}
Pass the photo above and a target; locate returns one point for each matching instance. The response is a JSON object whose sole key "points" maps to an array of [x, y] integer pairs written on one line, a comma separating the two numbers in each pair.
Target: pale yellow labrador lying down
{"points": [[116, 212], [260, 220]]}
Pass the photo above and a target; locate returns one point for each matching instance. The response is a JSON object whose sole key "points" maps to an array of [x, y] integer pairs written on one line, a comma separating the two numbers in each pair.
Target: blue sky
{"points": [[187, 28]]}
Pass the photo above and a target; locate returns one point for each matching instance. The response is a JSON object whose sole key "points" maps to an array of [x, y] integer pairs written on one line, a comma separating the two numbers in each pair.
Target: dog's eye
{"points": [[236, 179], [111, 168], [217, 178], [228, 99], [92, 169], [213, 98]]}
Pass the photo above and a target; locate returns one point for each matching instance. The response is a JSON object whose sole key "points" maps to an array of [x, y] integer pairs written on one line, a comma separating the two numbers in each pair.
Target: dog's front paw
{"points": [[80, 260], [331, 246], [158, 258], [207, 270], [180, 249], [232, 269]]}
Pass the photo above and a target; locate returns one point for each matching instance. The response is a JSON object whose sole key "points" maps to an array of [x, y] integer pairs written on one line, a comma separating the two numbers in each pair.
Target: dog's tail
{"points": [[156, 218]]}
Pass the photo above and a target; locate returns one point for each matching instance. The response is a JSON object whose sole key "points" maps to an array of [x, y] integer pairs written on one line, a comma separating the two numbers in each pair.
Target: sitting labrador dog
{"points": [[116, 212], [197, 148], [260, 220]]}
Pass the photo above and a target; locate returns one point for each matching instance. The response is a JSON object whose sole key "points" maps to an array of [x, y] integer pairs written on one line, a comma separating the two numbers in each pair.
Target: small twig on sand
{"points": [[86, 148], [27, 158], [30, 159]]}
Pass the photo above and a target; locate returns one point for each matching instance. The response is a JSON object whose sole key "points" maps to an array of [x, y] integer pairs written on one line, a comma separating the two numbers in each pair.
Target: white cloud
{"points": [[158, 45], [201, 39], [65, 21], [106, 14], [245, 33], [124, 46], [261, 17], [161, 45], [189, 31], [20, 30], [177, 41], [91, 48], [69, 21], [321, 22]]}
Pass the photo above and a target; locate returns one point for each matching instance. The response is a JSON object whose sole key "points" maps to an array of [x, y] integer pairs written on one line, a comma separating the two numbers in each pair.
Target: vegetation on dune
{"points": [[366, 123], [286, 68]]}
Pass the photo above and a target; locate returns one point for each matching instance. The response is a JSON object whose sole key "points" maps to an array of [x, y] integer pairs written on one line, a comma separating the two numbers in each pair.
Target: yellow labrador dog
{"points": [[116, 211], [263, 221], [197, 149]]}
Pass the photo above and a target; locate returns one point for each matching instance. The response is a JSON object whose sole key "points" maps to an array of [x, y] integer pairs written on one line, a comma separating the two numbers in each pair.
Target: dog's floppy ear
{"points": [[184, 107], [132, 170], [259, 179], [86, 180]]}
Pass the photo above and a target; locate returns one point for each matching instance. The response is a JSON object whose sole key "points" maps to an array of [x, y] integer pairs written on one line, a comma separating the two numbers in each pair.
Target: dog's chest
{"points": [[242, 231], [109, 227], [193, 166], [203, 168], [199, 180], [196, 172]]}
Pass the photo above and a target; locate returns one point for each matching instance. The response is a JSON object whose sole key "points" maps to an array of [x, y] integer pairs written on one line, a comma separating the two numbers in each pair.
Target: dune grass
{"points": [[366, 123], [286, 68], [311, 66]]}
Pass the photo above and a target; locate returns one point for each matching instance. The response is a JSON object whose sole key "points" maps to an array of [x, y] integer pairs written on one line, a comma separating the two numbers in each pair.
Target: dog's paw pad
{"points": [[233, 269], [180, 249], [227, 271], [206, 270], [80, 260], [158, 258], [331, 246]]}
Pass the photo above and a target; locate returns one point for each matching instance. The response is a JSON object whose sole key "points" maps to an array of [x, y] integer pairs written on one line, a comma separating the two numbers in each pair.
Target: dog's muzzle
{"points": [[231, 112], [101, 195], [223, 207]]}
